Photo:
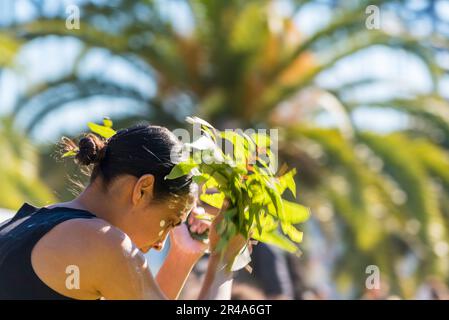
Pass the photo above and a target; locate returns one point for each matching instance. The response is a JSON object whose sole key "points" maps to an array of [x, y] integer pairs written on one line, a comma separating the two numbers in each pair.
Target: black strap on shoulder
{"points": [[24, 211]]}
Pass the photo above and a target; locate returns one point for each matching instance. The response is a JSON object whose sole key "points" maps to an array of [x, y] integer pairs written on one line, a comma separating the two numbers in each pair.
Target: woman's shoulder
{"points": [[79, 223], [94, 234], [94, 246]]}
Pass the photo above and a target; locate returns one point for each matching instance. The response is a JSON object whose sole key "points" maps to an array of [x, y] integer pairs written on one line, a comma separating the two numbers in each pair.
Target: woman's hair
{"points": [[138, 150]]}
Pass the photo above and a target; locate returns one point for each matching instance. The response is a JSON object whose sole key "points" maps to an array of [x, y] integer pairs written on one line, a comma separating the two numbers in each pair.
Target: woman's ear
{"points": [[143, 189]]}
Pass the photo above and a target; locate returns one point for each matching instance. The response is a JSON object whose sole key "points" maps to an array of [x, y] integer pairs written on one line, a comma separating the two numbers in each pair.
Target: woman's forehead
{"points": [[181, 212], [180, 207]]}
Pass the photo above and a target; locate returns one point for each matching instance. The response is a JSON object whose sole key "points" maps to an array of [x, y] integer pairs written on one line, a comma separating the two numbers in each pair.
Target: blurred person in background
{"points": [[433, 289]]}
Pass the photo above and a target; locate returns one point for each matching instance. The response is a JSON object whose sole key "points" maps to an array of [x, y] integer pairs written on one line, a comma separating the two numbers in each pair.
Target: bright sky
{"points": [[48, 58]]}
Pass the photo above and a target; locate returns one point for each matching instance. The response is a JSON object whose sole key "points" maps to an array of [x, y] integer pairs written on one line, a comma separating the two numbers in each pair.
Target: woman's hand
{"points": [[198, 226], [180, 236]]}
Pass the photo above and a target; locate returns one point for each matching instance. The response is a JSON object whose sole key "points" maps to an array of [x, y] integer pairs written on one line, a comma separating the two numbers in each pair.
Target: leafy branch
{"points": [[256, 208]]}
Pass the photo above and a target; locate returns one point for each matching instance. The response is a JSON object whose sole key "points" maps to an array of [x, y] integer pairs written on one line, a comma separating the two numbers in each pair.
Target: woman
{"points": [[92, 247]]}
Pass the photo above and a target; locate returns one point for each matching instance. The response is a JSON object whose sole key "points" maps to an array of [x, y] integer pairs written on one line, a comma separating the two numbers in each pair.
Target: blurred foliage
{"points": [[19, 168], [8, 49], [379, 199], [19, 161]]}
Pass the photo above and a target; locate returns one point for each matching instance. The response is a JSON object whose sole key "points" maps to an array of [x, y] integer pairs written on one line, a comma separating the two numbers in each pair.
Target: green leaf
{"points": [[107, 122], [230, 213], [211, 183], [232, 230], [261, 139], [220, 178], [233, 137], [221, 227], [196, 120], [214, 200], [276, 201], [202, 143], [288, 182], [295, 213], [269, 223], [276, 239], [71, 153], [253, 211], [199, 179], [256, 193], [240, 146], [210, 132], [294, 234], [181, 169], [102, 131], [250, 145], [259, 222], [205, 216]]}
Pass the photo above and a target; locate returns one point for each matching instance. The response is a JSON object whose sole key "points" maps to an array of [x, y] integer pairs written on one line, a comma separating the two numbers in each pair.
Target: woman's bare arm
{"points": [[175, 270]]}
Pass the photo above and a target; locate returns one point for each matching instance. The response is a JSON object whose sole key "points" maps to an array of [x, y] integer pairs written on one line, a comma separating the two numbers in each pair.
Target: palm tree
{"points": [[19, 160], [8, 49], [380, 197], [19, 171]]}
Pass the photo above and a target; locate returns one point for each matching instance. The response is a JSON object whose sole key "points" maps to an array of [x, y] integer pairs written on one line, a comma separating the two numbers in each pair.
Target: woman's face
{"points": [[145, 218], [160, 220]]}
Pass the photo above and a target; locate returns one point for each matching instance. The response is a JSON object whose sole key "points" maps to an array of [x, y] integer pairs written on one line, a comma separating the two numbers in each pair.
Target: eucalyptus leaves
{"points": [[105, 131], [256, 208]]}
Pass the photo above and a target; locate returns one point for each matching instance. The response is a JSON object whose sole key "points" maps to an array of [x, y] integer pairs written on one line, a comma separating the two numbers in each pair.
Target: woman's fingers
{"points": [[204, 226], [198, 225]]}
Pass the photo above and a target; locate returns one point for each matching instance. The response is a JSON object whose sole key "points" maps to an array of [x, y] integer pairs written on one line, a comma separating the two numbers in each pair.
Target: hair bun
{"points": [[91, 150]]}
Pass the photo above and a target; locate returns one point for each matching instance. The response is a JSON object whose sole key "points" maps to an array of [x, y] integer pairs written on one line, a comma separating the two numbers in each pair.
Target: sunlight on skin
{"points": [[105, 229]]}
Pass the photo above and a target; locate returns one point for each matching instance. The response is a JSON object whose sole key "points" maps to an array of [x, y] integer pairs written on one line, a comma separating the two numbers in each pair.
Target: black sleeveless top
{"points": [[18, 236]]}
